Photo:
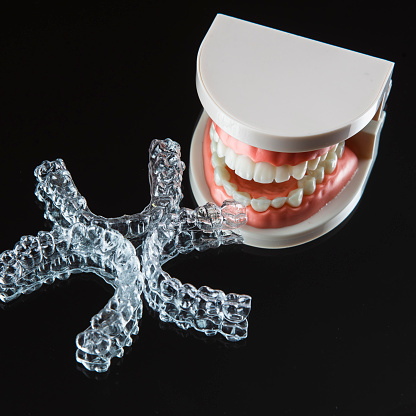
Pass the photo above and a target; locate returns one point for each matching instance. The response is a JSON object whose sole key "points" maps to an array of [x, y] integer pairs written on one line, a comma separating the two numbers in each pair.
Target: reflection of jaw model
{"points": [[290, 129]]}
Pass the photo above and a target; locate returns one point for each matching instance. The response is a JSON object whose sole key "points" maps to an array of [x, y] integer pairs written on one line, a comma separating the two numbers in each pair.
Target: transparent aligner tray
{"points": [[81, 241]]}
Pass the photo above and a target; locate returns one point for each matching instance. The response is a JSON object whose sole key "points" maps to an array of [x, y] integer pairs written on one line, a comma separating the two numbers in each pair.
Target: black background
{"points": [[333, 322]]}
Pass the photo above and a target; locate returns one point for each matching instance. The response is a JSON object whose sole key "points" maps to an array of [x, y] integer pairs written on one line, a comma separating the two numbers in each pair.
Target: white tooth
{"points": [[243, 198], [220, 175], [298, 171], [260, 204], [230, 158], [217, 161], [244, 167], [318, 174], [213, 133], [330, 162], [264, 172], [221, 148], [294, 199], [312, 164], [282, 173], [340, 149], [278, 202], [332, 150], [323, 157], [229, 187], [308, 183], [213, 146]]}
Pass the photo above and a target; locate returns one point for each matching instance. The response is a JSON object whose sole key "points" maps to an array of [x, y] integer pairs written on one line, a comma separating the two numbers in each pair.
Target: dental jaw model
{"points": [[293, 145], [290, 129]]}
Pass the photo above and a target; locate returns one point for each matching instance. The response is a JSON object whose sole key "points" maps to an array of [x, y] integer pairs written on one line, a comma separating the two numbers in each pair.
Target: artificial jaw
{"points": [[278, 189]]}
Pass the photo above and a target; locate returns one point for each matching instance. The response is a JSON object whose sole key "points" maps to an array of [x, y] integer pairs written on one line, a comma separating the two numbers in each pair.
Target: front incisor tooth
{"points": [[294, 199], [230, 158], [308, 183], [264, 172], [260, 204], [298, 171], [278, 202], [282, 173], [243, 198], [244, 167], [330, 162]]}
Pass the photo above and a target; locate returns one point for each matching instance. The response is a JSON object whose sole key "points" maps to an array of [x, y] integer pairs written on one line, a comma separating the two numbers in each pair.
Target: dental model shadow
{"points": [[81, 241]]}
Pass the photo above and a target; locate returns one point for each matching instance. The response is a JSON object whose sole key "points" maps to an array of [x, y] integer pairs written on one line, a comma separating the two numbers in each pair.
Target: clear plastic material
{"points": [[128, 252]]}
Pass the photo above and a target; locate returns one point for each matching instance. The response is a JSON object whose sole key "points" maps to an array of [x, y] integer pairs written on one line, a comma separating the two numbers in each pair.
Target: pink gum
{"points": [[285, 216], [261, 155]]}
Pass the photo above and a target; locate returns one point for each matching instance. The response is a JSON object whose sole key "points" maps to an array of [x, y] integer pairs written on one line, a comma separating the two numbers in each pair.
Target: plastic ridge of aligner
{"points": [[57, 254], [81, 241]]}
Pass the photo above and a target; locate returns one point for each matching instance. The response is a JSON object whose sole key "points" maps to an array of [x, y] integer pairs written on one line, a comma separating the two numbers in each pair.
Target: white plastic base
{"points": [[319, 224]]}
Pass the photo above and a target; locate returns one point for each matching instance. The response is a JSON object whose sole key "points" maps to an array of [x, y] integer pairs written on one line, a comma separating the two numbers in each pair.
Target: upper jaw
{"points": [[302, 177]]}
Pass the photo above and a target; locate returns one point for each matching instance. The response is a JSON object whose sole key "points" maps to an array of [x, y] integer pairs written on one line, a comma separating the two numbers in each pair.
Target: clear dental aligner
{"points": [[65, 205], [204, 309], [81, 241], [80, 248]]}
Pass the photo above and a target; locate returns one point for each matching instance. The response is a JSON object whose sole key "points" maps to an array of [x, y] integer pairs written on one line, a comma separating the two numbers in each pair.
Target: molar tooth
{"points": [[330, 162], [278, 202], [229, 187], [213, 146], [294, 199], [221, 148], [220, 175], [243, 198], [282, 173], [298, 171], [318, 174], [244, 167], [340, 149], [323, 157], [264, 172], [217, 161], [260, 204], [213, 133], [308, 183], [312, 164], [230, 158]]}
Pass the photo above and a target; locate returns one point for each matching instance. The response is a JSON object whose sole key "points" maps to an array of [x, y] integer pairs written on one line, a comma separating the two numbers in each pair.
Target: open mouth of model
{"points": [[279, 189]]}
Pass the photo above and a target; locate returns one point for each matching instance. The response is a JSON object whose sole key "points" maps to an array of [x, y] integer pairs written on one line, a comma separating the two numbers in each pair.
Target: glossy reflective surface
{"points": [[332, 327]]}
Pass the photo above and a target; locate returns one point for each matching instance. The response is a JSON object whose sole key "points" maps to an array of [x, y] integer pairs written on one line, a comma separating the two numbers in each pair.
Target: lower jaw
{"points": [[287, 215]]}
